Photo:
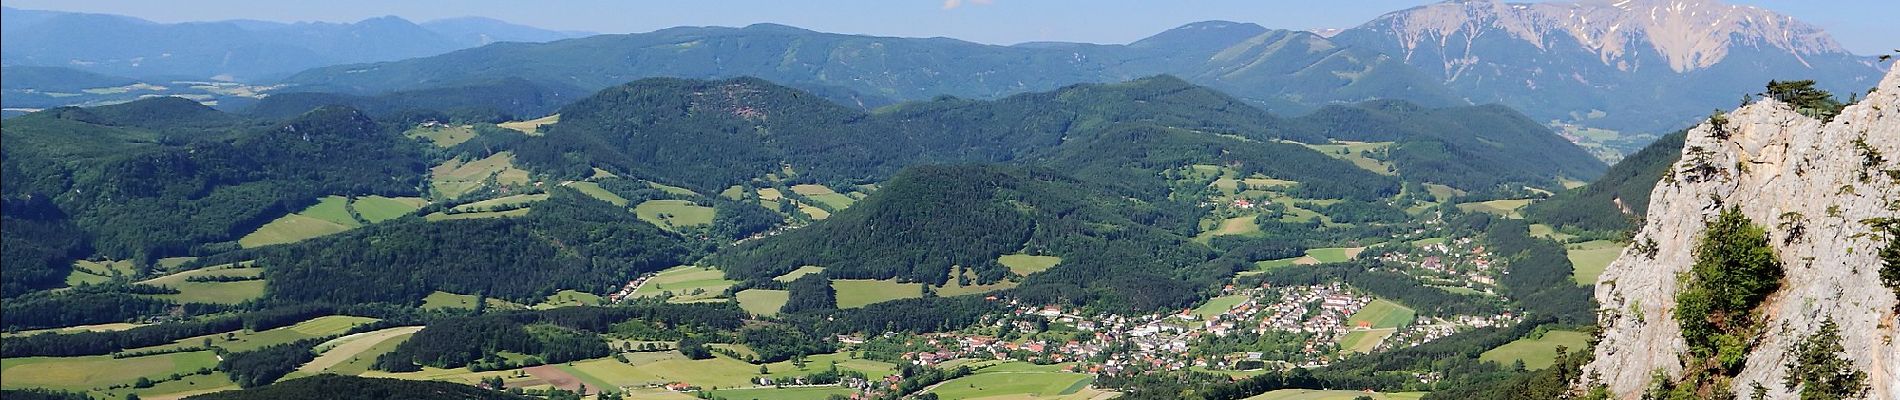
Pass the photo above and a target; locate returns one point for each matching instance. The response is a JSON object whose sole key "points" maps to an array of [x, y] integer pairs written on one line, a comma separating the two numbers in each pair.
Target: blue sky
{"points": [[1863, 26]]}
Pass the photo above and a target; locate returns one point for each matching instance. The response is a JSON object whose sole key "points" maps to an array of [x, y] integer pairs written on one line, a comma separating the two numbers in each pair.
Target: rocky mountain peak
{"points": [[1688, 34], [1814, 186]]}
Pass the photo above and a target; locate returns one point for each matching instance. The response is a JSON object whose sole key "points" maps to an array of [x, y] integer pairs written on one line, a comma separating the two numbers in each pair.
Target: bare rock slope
{"points": [[1809, 183]]}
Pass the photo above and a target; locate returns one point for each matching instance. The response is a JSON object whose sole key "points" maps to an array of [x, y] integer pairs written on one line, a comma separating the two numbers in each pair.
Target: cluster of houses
{"points": [[1461, 262]]}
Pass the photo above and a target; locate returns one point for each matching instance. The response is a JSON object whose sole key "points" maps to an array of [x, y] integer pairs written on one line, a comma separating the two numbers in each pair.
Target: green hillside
{"points": [[1629, 182]]}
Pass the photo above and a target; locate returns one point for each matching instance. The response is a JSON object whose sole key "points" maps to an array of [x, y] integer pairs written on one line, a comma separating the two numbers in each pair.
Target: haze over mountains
{"points": [[244, 50], [1593, 69]]}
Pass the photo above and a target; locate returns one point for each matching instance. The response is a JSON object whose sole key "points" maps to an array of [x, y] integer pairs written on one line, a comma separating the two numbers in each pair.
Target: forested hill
{"points": [[1288, 71], [1468, 147], [712, 134], [1616, 201], [1116, 250], [498, 100]]}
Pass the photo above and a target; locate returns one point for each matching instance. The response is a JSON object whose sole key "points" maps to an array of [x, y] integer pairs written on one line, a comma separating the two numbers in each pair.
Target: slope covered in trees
{"points": [[1472, 148], [930, 218], [494, 101], [1615, 201], [338, 387]]}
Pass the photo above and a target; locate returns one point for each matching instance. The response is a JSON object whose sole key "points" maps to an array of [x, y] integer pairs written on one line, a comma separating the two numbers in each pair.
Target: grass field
{"points": [[673, 190], [1354, 153], [352, 350], [1334, 254], [440, 300], [1308, 394], [1024, 264], [502, 202], [360, 362], [683, 280], [443, 136], [211, 292], [531, 127], [594, 190], [1014, 382], [1219, 305], [1537, 353], [1364, 341], [824, 195], [721, 371], [673, 213], [328, 216], [736, 192], [770, 194], [80, 373], [800, 272], [379, 208], [1381, 314], [1590, 258], [1502, 208], [115, 326], [794, 393], [188, 385], [953, 289], [243, 340], [1231, 226], [1270, 265], [438, 216], [817, 214], [568, 298], [455, 178], [1546, 231], [853, 293], [762, 301]]}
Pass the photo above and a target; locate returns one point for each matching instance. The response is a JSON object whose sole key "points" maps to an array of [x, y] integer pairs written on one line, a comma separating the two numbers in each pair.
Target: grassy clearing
{"points": [[1335, 254], [721, 371], [794, 393], [502, 202], [817, 214], [1000, 382], [1270, 265], [379, 208], [1547, 232], [1024, 264], [354, 349], [684, 281], [111, 327], [333, 209], [1309, 394], [79, 373], [1382, 314], [1537, 353], [853, 293], [952, 288], [673, 190], [292, 228], [763, 301], [736, 192], [211, 292], [1364, 341], [440, 300], [1218, 305], [1590, 259], [1232, 226], [531, 127], [1502, 208], [455, 178], [800, 272], [360, 363], [1355, 152], [672, 214], [443, 136], [1442, 193], [569, 298], [770, 194], [594, 190], [242, 340], [186, 386], [824, 196], [437, 216]]}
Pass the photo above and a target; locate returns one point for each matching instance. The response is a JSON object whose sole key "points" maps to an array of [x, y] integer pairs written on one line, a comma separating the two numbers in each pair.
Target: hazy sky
{"points": [[1863, 26]]}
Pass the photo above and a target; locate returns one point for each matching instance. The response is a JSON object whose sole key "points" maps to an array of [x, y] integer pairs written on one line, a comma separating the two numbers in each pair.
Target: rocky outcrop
{"points": [[1809, 184]]}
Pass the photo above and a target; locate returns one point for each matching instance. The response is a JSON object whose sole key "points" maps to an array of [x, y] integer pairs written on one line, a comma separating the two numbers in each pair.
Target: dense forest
{"points": [[1627, 184], [1472, 148], [1112, 254], [337, 387]]}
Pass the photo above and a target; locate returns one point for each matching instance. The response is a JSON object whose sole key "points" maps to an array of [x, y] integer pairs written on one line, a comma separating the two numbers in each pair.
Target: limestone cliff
{"points": [[1809, 184]]}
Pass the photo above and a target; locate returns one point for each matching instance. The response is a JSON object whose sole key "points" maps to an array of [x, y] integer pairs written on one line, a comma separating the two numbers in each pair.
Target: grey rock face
{"points": [[1802, 180]]}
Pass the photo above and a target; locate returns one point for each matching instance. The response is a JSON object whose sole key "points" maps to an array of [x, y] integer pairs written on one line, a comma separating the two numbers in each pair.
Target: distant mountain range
{"points": [[244, 50], [1611, 76], [1284, 71], [1636, 66]]}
